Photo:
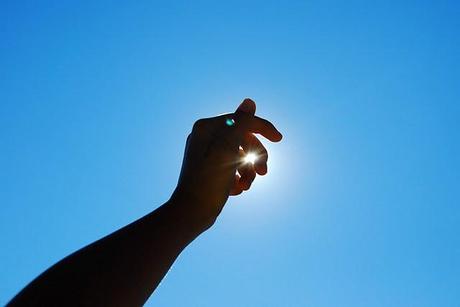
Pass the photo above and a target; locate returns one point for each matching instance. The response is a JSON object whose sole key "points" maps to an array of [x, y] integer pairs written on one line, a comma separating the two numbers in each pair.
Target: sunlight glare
{"points": [[250, 158]]}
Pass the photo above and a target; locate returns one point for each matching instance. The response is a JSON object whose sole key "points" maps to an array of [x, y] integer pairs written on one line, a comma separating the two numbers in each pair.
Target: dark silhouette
{"points": [[125, 267]]}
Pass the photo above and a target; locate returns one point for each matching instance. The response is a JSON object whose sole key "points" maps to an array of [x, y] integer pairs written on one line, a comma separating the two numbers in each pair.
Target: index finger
{"points": [[251, 123]]}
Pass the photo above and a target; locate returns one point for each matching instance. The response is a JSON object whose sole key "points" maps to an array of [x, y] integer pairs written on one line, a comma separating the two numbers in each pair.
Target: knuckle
{"points": [[199, 125]]}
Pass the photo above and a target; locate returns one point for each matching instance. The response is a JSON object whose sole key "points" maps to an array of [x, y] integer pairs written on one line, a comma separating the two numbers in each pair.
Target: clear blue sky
{"points": [[361, 206]]}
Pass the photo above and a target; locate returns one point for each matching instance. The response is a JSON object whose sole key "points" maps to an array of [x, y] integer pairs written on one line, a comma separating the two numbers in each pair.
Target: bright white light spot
{"points": [[250, 158]]}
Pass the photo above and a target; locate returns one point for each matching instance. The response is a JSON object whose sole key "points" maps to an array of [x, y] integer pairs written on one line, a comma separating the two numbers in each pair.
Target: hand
{"points": [[214, 152]]}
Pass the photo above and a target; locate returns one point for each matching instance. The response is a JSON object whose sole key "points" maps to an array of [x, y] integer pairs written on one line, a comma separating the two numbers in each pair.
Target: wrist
{"points": [[186, 208]]}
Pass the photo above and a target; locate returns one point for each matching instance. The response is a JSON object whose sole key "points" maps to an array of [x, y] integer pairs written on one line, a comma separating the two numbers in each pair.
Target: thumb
{"points": [[247, 106]]}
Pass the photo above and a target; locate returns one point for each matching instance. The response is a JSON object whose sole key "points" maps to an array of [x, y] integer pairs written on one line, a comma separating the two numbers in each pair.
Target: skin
{"points": [[125, 267]]}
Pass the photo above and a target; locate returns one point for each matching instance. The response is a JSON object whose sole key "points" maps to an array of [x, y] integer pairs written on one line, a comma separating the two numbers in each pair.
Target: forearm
{"points": [[121, 269]]}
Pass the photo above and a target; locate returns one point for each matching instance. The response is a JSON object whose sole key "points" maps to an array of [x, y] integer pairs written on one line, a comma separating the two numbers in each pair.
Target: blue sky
{"points": [[361, 203]]}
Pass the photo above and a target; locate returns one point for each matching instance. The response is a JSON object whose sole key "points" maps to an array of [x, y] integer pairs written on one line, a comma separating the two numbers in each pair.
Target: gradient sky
{"points": [[361, 204]]}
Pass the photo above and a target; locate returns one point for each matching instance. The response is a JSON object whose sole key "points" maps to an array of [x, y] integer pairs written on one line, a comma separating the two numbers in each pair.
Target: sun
{"points": [[250, 158]]}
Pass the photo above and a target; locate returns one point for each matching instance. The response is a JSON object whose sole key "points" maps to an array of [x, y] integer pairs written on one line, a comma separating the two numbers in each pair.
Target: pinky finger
{"points": [[236, 188]]}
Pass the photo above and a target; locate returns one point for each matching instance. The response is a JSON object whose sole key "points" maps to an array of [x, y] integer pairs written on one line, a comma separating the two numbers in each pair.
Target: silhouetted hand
{"points": [[214, 152], [125, 267]]}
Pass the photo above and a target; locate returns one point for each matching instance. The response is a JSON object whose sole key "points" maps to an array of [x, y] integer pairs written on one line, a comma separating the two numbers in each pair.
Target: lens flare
{"points": [[250, 158]]}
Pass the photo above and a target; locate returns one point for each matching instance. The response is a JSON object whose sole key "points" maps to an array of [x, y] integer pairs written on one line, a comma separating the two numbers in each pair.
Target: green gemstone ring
{"points": [[230, 122]]}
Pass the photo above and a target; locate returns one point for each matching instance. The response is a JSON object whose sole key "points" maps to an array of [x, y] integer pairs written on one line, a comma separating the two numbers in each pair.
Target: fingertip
{"points": [[278, 137], [236, 191], [261, 169], [249, 100], [244, 184], [274, 136], [247, 106], [236, 188]]}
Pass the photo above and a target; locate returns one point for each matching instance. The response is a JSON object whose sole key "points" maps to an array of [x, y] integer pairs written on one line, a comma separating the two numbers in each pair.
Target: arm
{"points": [[124, 268]]}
